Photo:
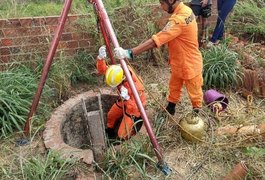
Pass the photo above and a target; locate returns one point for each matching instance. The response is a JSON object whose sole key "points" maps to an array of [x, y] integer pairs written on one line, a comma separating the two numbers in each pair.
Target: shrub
{"points": [[220, 68]]}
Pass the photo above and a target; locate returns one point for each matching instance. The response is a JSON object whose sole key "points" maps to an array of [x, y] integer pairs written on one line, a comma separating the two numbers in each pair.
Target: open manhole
{"points": [[69, 130]]}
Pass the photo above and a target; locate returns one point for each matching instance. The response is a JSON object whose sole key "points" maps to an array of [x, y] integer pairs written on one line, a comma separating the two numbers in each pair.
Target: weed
{"points": [[49, 167], [249, 18], [220, 68], [16, 92]]}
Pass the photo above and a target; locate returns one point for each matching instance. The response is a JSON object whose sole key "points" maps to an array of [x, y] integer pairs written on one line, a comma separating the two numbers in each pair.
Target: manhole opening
{"points": [[74, 129]]}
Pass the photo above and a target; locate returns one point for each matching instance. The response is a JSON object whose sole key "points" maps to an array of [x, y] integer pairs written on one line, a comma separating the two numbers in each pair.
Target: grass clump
{"points": [[220, 69], [249, 17], [17, 88], [51, 166], [133, 159]]}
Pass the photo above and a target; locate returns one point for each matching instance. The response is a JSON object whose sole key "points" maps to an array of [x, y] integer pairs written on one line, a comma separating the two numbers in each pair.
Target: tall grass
{"points": [[133, 159], [17, 87], [51, 167], [249, 17]]}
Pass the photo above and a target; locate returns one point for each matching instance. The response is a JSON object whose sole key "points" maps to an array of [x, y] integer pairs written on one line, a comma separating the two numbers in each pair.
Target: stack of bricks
{"points": [[27, 38]]}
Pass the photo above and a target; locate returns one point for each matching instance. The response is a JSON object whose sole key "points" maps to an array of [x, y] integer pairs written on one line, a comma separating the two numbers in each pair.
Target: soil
{"points": [[211, 159]]}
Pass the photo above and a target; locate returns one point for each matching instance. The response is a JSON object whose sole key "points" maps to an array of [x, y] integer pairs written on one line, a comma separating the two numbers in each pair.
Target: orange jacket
{"points": [[130, 105], [180, 34]]}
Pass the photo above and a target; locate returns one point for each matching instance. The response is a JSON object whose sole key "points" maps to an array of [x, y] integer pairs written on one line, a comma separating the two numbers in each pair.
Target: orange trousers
{"points": [[126, 128], [193, 86]]}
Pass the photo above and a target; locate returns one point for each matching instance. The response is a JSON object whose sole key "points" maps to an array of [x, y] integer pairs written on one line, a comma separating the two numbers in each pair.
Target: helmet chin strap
{"points": [[170, 7]]}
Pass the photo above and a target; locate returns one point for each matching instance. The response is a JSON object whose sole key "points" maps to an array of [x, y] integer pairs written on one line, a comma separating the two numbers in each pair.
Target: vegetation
{"points": [[134, 158], [16, 92], [249, 18], [220, 67], [51, 166]]}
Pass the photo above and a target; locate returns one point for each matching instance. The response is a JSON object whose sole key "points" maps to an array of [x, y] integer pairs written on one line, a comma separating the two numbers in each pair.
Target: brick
{"points": [[35, 31], [12, 23], [72, 44], [4, 51], [51, 20], [15, 50], [62, 45], [76, 36], [6, 42], [4, 59], [72, 18], [34, 48], [39, 21], [44, 39], [66, 37], [86, 35], [26, 22], [52, 29], [1, 33], [10, 32], [3, 23], [84, 43]]}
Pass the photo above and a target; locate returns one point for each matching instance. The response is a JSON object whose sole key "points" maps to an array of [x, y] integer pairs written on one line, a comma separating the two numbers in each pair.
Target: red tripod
{"points": [[107, 31]]}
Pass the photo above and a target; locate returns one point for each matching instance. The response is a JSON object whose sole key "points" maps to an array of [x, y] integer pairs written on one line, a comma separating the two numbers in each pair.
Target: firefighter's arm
{"points": [[121, 53], [101, 63]]}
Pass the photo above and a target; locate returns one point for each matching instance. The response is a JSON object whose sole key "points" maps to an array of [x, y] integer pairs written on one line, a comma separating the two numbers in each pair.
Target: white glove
{"points": [[102, 52], [121, 53], [124, 93]]}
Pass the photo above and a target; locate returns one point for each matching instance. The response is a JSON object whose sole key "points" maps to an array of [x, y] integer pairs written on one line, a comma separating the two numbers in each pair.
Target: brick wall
{"points": [[26, 38]]}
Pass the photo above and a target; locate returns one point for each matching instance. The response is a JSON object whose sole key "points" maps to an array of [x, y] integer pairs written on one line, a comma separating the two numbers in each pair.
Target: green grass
{"points": [[220, 69], [249, 17], [14, 8], [133, 159], [51, 167], [17, 88]]}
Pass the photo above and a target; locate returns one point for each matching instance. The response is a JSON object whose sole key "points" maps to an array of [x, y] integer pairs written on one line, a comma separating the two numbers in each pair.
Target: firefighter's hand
{"points": [[102, 52], [124, 93], [121, 53]]}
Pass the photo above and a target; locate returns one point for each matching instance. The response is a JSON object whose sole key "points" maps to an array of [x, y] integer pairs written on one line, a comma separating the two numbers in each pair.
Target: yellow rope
{"points": [[172, 118]]}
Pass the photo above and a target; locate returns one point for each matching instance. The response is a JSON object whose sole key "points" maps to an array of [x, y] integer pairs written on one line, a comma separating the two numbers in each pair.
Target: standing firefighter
{"points": [[185, 59], [125, 108]]}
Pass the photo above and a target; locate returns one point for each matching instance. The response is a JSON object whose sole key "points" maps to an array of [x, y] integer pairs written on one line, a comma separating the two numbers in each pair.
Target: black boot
{"points": [[195, 111], [171, 108], [111, 133]]}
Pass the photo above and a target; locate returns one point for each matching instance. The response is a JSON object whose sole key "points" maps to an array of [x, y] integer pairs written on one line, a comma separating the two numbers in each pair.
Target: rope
{"points": [[200, 140]]}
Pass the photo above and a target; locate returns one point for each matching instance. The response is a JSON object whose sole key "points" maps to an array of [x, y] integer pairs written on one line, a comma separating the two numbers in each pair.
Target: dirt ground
{"points": [[211, 159]]}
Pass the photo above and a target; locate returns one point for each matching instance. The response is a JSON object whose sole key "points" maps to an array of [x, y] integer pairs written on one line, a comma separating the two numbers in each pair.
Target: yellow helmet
{"points": [[114, 75]]}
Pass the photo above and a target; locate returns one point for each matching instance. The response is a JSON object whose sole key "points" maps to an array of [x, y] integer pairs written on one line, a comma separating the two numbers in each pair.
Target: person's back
{"points": [[181, 34]]}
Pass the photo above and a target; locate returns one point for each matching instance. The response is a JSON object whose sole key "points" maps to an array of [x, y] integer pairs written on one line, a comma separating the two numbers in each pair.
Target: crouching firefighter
{"points": [[124, 114]]}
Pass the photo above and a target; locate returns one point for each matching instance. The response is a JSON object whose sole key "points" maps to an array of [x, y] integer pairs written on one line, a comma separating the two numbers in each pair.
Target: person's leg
{"points": [[218, 25], [114, 114], [206, 12], [175, 86], [226, 9], [194, 88], [126, 128]]}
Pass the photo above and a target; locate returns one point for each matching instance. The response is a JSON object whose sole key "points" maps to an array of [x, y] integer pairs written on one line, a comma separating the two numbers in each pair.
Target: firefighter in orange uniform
{"points": [[185, 59], [125, 108]]}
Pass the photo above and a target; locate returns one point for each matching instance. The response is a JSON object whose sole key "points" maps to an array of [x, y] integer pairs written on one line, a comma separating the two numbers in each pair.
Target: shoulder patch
{"points": [[169, 25]]}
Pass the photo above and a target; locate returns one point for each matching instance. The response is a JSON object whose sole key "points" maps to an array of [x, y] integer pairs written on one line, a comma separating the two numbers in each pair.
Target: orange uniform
{"points": [[125, 109], [185, 59]]}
